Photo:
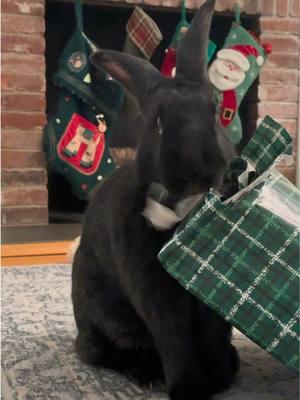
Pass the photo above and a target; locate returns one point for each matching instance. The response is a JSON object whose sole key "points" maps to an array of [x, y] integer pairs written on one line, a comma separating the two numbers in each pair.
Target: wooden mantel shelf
{"points": [[249, 7]]}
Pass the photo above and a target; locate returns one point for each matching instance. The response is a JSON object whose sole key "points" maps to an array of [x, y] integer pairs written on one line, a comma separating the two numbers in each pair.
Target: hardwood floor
{"points": [[36, 245], [27, 254]]}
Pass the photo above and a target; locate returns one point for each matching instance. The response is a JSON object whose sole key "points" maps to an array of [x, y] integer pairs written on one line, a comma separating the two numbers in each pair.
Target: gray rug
{"points": [[38, 361]]}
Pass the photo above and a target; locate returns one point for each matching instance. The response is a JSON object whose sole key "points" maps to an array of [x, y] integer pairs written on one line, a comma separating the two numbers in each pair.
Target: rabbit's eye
{"points": [[160, 131]]}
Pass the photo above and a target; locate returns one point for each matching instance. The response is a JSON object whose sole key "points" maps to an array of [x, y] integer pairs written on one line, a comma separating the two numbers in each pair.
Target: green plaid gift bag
{"points": [[240, 256]]}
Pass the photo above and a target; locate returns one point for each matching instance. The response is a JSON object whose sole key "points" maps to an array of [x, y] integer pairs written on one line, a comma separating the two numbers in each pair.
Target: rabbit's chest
{"points": [[160, 215]]}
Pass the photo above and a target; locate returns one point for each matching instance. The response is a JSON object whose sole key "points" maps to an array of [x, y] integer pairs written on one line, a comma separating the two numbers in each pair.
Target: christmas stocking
{"points": [[76, 139], [232, 72], [168, 67], [143, 37]]}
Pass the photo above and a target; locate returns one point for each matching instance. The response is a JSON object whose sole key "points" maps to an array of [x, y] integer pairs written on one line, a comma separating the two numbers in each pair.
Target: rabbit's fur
{"points": [[130, 313]]}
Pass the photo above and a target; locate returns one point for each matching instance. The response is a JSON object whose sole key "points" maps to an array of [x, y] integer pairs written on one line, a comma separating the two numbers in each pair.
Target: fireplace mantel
{"points": [[247, 6]]}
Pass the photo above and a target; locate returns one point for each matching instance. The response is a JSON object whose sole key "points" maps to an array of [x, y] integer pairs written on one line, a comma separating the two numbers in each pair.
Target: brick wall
{"points": [[24, 178], [279, 81]]}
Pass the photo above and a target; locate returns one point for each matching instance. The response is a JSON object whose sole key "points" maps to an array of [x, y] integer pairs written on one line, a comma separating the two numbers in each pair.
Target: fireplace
{"points": [[30, 195]]}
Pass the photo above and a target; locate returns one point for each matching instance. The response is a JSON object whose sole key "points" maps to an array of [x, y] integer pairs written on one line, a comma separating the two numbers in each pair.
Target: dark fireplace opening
{"points": [[105, 25]]}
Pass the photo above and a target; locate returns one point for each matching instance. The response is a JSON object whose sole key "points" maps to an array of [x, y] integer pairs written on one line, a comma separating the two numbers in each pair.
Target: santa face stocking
{"points": [[232, 72]]}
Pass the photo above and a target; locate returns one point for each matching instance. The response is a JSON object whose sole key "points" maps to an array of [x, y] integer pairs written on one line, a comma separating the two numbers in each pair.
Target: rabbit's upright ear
{"points": [[191, 60], [135, 74]]}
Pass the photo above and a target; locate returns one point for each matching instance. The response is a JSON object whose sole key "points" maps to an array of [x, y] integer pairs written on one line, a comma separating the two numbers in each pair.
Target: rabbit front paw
{"points": [[190, 388]]}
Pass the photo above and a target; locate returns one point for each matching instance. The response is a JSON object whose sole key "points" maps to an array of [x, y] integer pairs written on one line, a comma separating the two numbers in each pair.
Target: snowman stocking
{"points": [[232, 72]]}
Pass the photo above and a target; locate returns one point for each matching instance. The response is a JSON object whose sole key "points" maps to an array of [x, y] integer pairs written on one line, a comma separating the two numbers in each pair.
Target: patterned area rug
{"points": [[38, 361]]}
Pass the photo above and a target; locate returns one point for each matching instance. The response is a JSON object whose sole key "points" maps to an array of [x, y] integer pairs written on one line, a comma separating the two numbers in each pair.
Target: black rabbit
{"points": [[131, 315]]}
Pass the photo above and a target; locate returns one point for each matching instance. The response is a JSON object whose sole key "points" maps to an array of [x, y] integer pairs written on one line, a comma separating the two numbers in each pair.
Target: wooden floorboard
{"points": [[26, 254], [28, 261]]}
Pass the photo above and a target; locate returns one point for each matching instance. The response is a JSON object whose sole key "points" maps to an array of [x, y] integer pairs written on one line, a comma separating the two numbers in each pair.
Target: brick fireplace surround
{"points": [[24, 177]]}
